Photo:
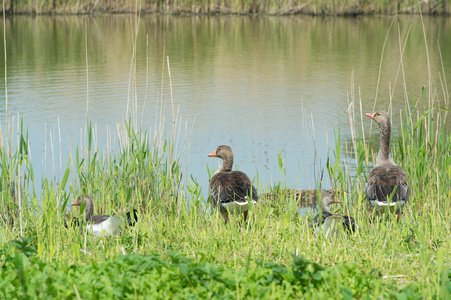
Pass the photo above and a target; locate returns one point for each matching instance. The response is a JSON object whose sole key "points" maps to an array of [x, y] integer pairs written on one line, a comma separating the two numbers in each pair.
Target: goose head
{"points": [[328, 198], [380, 117], [86, 202], [224, 152], [82, 200]]}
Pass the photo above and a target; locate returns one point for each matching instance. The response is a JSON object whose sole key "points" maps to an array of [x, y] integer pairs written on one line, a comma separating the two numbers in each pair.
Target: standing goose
{"points": [[97, 224], [230, 190], [386, 179], [330, 221]]}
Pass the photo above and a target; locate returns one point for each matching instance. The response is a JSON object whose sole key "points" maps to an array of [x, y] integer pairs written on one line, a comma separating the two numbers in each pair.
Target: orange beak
{"points": [[371, 115], [74, 203], [212, 154], [336, 200]]}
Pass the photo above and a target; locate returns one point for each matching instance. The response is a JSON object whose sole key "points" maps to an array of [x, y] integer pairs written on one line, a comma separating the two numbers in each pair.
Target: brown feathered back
{"points": [[382, 182], [231, 186]]}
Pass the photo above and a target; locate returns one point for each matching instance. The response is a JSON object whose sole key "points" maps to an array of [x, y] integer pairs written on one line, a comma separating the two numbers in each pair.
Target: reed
{"points": [[281, 7]]}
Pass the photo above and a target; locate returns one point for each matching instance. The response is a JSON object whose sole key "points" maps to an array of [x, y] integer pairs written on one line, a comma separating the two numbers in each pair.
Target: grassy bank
{"points": [[281, 7], [179, 248]]}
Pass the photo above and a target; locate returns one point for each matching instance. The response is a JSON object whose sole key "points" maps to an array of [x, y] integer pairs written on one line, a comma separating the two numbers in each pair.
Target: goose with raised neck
{"points": [[229, 190], [386, 175]]}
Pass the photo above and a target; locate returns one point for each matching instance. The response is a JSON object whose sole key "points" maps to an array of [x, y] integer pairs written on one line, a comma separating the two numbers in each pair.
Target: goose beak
{"points": [[74, 203], [370, 115], [336, 200], [212, 154]]}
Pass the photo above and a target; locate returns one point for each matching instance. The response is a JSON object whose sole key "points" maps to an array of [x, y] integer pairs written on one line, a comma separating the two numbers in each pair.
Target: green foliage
{"points": [[174, 275]]}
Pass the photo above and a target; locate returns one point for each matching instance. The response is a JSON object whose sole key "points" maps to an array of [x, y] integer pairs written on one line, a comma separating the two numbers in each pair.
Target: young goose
{"points": [[329, 221], [98, 225], [386, 178], [230, 190]]}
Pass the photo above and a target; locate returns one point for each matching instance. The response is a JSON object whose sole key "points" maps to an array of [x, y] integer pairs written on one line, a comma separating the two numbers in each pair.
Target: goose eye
{"points": [[378, 114]]}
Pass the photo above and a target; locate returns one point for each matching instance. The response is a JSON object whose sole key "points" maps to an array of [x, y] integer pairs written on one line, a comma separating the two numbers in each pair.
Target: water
{"points": [[263, 85]]}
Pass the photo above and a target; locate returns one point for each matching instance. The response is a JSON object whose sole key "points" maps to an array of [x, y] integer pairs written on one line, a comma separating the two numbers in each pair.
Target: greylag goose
{"points": [[101, 224], [304, 198], [131, 217], [230, 190], [387, 180], [329, 222]]}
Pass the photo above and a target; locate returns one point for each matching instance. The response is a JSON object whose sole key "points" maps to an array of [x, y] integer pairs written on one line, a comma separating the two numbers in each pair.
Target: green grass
{"points": [[281, 7], [180, 249], [141, 276]]}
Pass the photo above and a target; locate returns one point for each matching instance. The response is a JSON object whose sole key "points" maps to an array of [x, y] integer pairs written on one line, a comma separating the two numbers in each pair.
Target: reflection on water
{"points": [[263, 85]]}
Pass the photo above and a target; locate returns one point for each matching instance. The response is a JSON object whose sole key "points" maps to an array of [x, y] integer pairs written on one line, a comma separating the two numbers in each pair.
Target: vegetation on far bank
{"points": [[181, 248], [280, 7]]}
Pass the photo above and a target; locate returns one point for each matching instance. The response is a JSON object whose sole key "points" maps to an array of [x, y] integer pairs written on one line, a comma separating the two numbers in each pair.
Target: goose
{"points": [[101, 224], [329, 222], [386, 180], [304, 198], [230, 190]]}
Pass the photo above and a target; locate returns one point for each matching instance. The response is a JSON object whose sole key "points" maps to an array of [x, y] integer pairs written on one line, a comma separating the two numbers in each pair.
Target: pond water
{"points": [[263, 85]]}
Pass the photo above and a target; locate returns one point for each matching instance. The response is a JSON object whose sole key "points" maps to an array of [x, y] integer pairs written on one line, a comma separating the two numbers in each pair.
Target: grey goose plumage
{"points": [[303, 198], [102, 224], [386, 179], [329, 223], [230, 191]]}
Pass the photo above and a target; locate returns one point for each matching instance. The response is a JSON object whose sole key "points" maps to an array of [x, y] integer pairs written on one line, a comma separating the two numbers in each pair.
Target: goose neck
{"points": [[227, 164], [325, 207], [383, 155], [89, 208]]}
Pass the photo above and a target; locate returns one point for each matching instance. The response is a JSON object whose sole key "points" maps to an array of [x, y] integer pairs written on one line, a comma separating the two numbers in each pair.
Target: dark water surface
{"points": [[263, 85]]}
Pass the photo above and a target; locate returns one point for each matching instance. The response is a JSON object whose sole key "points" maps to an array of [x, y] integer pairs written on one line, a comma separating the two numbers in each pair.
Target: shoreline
{"points": [[213, 8]]}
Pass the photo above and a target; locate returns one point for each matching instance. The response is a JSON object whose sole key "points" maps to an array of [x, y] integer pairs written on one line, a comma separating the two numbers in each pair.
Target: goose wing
{"points": [[383, 181], [317, 222], [230, 187], [99, 219], [349, 223]]}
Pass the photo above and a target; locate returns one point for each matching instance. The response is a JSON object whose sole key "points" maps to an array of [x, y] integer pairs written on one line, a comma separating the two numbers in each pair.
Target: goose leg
{"points": [[245, 216], [226, 218]]}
